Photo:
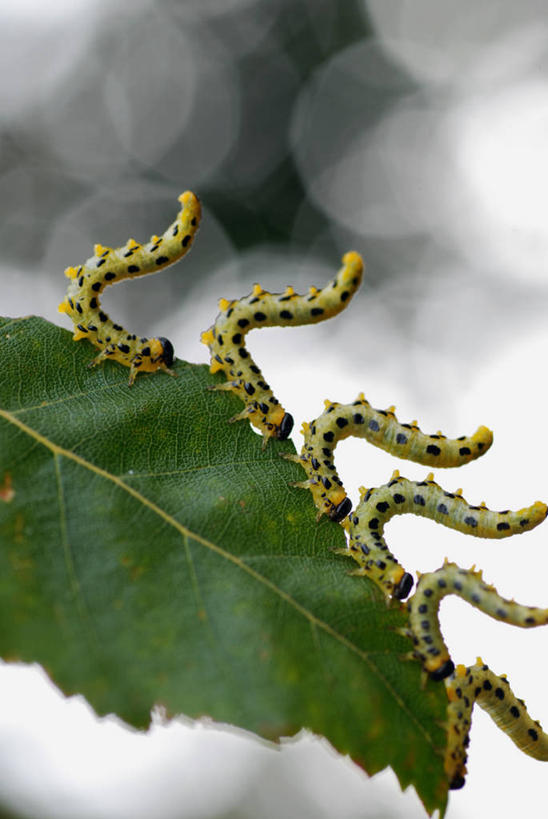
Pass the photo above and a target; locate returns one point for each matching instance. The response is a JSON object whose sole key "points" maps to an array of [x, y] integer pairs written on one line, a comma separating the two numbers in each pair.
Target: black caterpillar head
{"points": [[338, 513], [401, 591], [168, 353], [284, 430], [443, 671]]}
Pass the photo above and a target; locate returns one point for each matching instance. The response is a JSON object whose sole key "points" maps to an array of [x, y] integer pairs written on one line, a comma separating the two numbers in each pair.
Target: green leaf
{"points": [[152, 553]]}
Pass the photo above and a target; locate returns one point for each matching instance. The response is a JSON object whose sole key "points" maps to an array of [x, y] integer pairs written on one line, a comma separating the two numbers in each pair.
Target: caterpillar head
{"points": [[457, 782], [284, 429], [277, 421], [403, 587], [338, 512], [167, 354], [441, 672]]}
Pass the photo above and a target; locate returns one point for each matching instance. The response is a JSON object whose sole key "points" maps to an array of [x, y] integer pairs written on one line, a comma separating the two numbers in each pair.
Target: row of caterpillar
{"points": [[111, 265], [225, 340], [465, 686], [399, 496], [367, 546]]}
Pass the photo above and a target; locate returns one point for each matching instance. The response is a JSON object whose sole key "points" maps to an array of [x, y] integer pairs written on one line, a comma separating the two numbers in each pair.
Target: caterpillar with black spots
{"points": [[382, 429], [226, 340], [423, 608], [110, 265], [425, 498], [478, 684]]}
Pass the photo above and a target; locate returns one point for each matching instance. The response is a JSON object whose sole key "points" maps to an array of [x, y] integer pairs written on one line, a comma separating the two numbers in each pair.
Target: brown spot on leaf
{"points": [[7, 492]]}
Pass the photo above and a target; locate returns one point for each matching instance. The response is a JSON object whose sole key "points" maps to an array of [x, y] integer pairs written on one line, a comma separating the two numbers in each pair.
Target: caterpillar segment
{"points": [[478, 684], [229, 355], [110, 265], [382, 429], [423, 607], [427, 499]]}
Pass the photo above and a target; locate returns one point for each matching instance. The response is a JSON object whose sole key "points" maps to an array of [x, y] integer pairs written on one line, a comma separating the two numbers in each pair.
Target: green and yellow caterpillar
{"points": [[423, 608], [226, 340], [111, 265], [401, 496], [381, 428], [478, 683]]}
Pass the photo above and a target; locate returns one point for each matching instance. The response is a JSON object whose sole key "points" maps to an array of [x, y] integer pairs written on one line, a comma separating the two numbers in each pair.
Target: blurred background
{"points": [[415, 133]]}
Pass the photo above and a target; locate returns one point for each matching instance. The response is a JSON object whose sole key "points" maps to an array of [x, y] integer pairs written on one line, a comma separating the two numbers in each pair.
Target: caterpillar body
{"points": [[425, 498], [381, 428], [423, 607], [478, 683], [111, 265], [260, 308]]}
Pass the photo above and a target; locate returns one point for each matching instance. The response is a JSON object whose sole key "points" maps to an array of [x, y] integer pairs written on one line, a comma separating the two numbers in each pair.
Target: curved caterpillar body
{"points": [[111, 265], [225, 340], [479, 684], [425, 498], [381, 428], [423, 607]]}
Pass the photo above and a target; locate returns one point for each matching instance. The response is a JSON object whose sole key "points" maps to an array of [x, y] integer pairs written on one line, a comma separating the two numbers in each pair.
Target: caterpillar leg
{"points": [[423, 607], [288, 456], [275, 422], [110, 265], [477, 683], [163, 356], [103, 355], [227, 386], [382, 429], [401, 496], [270, 428], [139, 364], [226, 338]]}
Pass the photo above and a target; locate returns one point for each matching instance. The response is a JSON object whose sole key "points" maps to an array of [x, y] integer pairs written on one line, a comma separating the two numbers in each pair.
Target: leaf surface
{"points": [[153, 554]]}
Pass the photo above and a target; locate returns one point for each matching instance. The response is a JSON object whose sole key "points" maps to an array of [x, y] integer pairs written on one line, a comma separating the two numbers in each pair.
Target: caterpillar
{"points": [[423, 607], [401, 496], [110, 265], [477, 683], [260, 308], [381, 428]]}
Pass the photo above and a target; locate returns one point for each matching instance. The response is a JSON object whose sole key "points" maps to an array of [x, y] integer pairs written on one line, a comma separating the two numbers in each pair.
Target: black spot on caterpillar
{"points": [[478, 683], [423, 607], [225, 340], [381, 428], [111, 265], [425, 498]]}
